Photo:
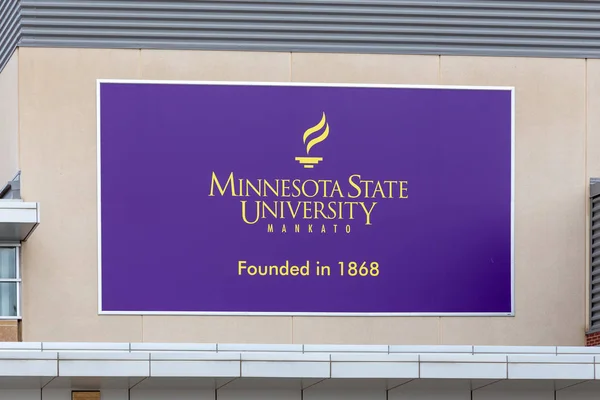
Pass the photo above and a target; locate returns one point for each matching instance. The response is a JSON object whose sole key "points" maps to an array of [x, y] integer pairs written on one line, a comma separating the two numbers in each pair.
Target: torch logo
{"points": [[310, 162]]}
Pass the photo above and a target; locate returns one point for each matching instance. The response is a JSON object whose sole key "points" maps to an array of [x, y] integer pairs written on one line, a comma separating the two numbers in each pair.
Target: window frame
{"points": [[17, 280]]}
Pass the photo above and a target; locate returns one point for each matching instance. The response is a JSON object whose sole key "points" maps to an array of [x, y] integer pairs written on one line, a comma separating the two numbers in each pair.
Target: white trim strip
{"points": [[306, 84], [99, 195], [300, 314]]}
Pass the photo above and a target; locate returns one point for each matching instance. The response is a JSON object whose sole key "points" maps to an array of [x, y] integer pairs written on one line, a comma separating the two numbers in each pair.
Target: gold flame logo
{"points": [[310, 162]]}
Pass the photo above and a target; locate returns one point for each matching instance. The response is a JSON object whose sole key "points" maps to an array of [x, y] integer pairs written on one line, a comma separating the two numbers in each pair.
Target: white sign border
{"points": [[99, 82]]}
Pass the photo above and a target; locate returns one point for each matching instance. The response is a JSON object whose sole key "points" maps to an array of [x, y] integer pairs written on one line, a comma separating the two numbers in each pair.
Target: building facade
{"points": [[52, 55]]}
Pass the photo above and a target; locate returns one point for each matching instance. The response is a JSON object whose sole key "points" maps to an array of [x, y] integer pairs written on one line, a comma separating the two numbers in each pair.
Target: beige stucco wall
{"points": [[58, 161], [9, 120]]}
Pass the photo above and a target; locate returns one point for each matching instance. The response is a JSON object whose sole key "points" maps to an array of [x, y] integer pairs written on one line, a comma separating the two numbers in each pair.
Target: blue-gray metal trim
{"points": [[569, 29]]}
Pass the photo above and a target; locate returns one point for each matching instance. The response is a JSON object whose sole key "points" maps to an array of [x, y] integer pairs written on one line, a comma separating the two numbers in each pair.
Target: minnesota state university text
{"points": [[324, 205]]}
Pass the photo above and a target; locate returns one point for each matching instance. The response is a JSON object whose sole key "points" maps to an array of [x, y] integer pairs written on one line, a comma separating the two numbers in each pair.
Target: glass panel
{"points": [[8, 299], [8, 262]]}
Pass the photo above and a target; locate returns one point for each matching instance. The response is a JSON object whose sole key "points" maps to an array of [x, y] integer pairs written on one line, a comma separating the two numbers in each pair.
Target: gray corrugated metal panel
{"points": [[594, 255], [10, 29], [594, 187], [465, 27]]}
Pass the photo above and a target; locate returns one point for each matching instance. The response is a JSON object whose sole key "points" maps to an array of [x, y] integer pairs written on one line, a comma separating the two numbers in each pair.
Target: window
{"points": [[85, 395], [10, 282]]}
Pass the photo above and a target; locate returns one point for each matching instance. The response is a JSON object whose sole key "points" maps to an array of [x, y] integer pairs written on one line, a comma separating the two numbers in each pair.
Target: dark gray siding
{"points": [[595, 256], [461, 27], [10, 29]]}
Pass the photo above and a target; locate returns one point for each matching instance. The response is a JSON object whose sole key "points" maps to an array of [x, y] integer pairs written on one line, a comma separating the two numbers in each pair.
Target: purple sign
{"points": [[246, 198]]}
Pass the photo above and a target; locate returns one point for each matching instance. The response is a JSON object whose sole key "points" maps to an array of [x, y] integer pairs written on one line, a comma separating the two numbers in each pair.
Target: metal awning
{"points": [[159, 366], [18, 219]]}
